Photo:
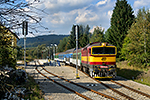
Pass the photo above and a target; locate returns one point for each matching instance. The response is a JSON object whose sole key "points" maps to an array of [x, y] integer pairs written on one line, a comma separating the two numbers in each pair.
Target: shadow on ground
{"points": [[128, 73]]}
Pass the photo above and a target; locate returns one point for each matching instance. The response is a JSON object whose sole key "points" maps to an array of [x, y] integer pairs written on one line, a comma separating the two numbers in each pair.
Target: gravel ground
{"points": [[135, 85], [53, 91]]}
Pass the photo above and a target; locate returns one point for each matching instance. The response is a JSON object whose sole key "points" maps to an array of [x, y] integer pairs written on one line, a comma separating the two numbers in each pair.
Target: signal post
{"points": [[77, 33]]}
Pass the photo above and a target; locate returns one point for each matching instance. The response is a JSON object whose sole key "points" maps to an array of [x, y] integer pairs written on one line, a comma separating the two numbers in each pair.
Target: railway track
{"points": [[139, 92], [83, 96], [138, 95], [125, 92], [101, 95]]}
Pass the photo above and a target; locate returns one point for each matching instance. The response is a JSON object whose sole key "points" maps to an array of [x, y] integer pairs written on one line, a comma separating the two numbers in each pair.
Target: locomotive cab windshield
{"points": [[103, 50]]}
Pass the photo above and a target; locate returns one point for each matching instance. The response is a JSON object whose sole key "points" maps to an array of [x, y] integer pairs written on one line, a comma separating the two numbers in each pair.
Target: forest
{"points": [[39, 40], [129, 33]]}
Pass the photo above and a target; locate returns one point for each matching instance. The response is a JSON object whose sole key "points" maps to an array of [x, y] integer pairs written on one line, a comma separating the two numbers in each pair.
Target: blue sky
{"points": [[62, 14]]}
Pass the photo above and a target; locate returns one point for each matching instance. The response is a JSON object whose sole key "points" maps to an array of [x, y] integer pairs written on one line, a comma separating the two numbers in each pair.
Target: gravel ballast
{"points": [[53, 91]]}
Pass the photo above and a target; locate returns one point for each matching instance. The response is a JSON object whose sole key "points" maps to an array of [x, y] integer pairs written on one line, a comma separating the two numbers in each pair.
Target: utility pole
{"points": [[25, 32], [77, 74]]}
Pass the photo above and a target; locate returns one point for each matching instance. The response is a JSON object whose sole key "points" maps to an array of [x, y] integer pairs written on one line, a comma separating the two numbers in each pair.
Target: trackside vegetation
{"points": [[136, 46], [129, 33], [130, 72]]}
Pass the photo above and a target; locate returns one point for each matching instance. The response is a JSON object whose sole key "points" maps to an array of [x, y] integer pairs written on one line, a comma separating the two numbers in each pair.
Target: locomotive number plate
{"points": [[103, 66], [103, 58]]}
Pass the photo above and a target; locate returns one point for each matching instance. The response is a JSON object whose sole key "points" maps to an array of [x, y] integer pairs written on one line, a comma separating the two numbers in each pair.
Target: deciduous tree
{"points": [[136, 47], [14, 12]]}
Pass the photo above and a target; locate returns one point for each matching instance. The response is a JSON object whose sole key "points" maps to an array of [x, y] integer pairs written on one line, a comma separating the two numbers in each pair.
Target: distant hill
{"points": [[44, 39]]}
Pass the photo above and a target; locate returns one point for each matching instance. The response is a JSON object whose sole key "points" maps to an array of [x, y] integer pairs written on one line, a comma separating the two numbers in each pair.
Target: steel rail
{"points": [[83, 96], [104, 95], [142, 93], [120, 93]]}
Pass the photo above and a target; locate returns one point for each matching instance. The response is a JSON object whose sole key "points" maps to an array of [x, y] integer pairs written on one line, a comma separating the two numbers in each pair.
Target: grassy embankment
{"points": [[35, 93], [33, 87], [133, 73]]}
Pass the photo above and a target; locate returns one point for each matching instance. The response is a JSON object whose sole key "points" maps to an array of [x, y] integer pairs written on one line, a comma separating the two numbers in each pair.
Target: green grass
{"points": [[143, 82], [33, 87], [133, 73]]}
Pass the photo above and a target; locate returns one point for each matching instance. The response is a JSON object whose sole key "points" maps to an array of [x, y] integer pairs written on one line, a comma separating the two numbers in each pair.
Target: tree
{"points": [[136, 47], [72, 39], [19, 53], [83, 35], [14, 12], [7, 53], [107, 35], [86, 31], [121, 21], [62, 46], [98, 35], [84, 40]]}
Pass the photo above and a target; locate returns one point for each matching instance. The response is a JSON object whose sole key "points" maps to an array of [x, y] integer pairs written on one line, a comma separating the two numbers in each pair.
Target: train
{"points": [[98, 59]]}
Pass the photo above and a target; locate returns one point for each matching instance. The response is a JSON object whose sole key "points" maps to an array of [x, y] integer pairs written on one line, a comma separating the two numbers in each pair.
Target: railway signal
{"points": [[25, 32], [25, 28]]}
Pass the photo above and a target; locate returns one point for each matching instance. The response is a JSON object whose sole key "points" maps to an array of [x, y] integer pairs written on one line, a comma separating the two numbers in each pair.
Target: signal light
{"points": [[25, 28]]}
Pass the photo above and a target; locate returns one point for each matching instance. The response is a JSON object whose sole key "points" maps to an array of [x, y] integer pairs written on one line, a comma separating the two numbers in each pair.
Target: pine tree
{"points": [[122, 19], [72, 39], [86, 31], [83, 38], [83, 35], [136, 47], [98, 35], [63, 45]]}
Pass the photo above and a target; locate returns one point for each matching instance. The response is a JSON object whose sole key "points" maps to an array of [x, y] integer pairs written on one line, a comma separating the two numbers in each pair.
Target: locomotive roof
{"points": [[97, 44]]}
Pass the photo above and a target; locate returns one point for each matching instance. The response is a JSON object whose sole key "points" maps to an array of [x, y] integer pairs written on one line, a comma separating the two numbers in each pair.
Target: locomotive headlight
{"points": [[103, 44]]}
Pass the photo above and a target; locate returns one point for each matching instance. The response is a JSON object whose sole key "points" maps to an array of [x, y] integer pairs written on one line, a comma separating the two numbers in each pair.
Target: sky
{"points": [[62, 14]]}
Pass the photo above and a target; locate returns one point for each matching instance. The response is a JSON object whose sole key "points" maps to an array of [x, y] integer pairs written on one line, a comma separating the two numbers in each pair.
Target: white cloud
{"points": [[141, 3], [92, 30], [101, 2], [64, 13], [55, 6], [86, 16], [57, 19], [110, 12]]}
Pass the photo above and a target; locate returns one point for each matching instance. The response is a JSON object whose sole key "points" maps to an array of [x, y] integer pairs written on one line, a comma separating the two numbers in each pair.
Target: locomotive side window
{"points": [[89, 51], [103, 50]]}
